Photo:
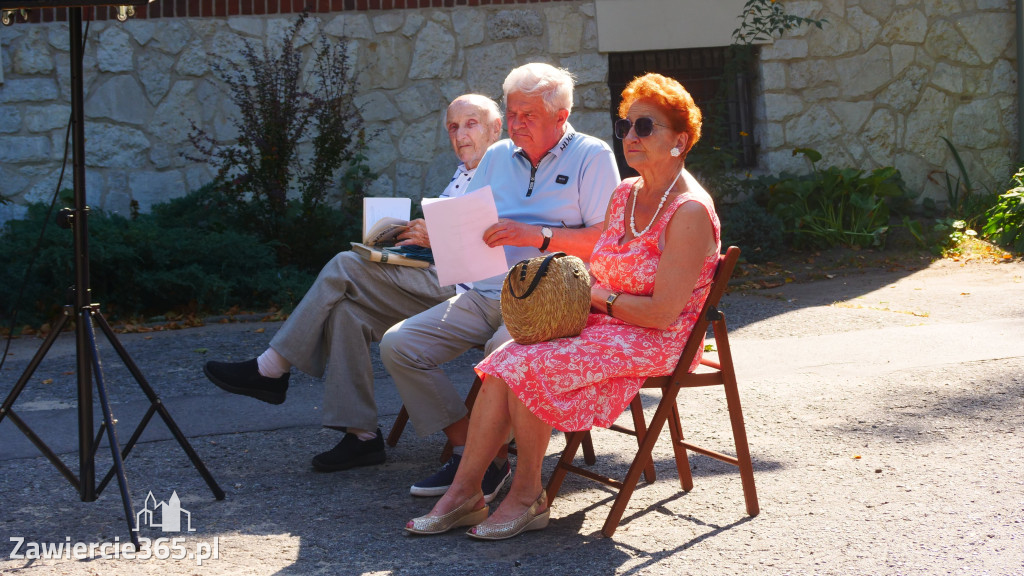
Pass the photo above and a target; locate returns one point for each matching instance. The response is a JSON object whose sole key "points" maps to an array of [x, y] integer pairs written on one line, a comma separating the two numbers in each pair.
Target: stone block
{"points": [[864, 74], [469, 26], [564, 28], [155, 74], [11, 183], [510, 24], [975, 126], [47, 117], [389, 22], [906, 26], [419, 141], [25, 149], [141, 30], [114, 51], [192, 61], [990, 34], [944, 42], [32, 53], [487, 66], [120, 98], [170, 121], [28, 90], [384, 62], [409, 179], [375, 106], [929, 120], [10, 119], [113, 146], [433, 54], [421, 100], [586, 68], [247, 25]]}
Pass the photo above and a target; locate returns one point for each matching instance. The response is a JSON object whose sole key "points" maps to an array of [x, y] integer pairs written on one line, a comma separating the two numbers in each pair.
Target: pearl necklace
{"points": [[632, 212]]}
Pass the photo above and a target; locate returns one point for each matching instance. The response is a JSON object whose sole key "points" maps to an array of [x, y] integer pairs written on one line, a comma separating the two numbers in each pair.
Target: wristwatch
{"points": [[609, 302], [546, 233]]}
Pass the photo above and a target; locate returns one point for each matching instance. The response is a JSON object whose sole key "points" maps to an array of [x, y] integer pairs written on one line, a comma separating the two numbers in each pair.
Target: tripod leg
{"points": [[158, 405], [108, 419], [32, 365]]}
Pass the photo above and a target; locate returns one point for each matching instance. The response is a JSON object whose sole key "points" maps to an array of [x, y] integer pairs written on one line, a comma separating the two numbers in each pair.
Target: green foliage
{"points": [[835, 206], [1005, 224], [964, 200], [763, 20], [278, 193], [186, 256], [758, 233]]}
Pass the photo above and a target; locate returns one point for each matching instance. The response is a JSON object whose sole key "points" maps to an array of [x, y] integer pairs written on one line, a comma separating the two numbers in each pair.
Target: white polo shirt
{"points": [[570, 187]]}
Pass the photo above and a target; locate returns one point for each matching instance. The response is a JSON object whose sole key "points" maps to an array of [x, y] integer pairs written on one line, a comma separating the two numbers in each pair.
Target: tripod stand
{"points": [[86, 316]]}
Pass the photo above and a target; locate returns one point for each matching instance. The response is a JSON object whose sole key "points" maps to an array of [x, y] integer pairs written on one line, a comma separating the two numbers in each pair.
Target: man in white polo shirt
{"points": [[552, 186]]}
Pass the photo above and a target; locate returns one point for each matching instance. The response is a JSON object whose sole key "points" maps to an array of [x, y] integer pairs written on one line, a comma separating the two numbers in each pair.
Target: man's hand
{"points": [[416, 234], [510, 233]]}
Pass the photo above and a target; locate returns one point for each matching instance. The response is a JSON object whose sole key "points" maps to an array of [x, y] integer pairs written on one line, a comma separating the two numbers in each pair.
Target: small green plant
{"points": [[953, 234], [763, 20], [277, 191], [965, 201], [1005, 224], [835, 206]]}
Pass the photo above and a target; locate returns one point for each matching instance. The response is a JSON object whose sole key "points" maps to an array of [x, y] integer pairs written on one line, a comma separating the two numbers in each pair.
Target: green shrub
{"points": [[835, 206], [186, 256], [758, 233], [1005, 224], [286, 98]]}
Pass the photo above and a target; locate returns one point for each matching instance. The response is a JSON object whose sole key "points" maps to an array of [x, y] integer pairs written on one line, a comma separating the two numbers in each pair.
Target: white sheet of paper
{"points": [[456, 229], [375, 208]]}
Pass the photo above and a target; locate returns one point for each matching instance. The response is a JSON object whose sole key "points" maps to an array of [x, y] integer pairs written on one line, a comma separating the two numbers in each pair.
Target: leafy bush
{"points": [[184, 257], [285, 100], [1005, 223], [835, 206], [757, 232]]}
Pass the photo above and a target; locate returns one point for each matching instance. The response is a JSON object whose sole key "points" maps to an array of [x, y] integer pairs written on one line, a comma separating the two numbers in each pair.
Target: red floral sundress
{"points": [[579, 382]]}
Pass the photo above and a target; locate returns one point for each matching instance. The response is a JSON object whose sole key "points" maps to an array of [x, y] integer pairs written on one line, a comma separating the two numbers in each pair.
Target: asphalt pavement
{"points": [[884, 408]]}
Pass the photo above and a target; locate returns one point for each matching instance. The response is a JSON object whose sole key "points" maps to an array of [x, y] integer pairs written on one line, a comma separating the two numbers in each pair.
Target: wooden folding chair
{"points": [[711, 373]]}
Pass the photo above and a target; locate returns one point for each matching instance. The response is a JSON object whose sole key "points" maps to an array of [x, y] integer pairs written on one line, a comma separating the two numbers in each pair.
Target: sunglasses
{"points": [[644, 127]]}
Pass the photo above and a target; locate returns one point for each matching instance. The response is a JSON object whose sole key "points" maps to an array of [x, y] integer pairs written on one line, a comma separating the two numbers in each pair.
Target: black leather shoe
{"points": [[245, 378], [351, 452]]}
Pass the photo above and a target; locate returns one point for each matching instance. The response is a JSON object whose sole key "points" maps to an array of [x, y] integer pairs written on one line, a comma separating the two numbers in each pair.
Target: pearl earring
{"points": [[676, 152]]}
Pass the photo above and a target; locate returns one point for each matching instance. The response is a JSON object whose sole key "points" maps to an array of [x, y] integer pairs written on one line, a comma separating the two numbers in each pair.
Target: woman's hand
{"points": [[415, 234], [510, 233]]}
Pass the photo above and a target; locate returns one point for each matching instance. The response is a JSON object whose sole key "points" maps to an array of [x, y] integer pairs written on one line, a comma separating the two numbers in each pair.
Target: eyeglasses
{"points": [[644, 127]]}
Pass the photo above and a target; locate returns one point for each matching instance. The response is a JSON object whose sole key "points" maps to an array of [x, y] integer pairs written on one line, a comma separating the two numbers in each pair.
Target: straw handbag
{"points": [[546, 297]]}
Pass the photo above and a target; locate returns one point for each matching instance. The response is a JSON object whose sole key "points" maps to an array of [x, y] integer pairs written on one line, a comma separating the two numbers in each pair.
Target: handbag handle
{"points": [[541, 271]]}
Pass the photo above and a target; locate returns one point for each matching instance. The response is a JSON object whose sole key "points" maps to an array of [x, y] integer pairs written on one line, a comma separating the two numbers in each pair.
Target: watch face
{"points": [[546, 232]]}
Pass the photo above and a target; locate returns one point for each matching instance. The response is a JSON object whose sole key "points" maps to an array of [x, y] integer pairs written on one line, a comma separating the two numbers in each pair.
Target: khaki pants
{"points": [[351, 304], [414, 350]]}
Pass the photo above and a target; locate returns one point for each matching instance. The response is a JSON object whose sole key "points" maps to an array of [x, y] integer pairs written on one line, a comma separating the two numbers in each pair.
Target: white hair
{"points": [[488, 105], [554, 85]]}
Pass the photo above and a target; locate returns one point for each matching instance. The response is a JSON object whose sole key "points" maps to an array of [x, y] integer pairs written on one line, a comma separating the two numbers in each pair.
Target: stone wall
{"points": [[145, 79], [878, 86], [885, 80]]}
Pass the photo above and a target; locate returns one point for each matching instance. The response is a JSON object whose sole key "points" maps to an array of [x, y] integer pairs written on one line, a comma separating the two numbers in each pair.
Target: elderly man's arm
{"points": [[575, 241]]}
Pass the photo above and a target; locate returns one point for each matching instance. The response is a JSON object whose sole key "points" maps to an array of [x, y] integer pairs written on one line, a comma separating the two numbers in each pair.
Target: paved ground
{"points": [[884, 409]]}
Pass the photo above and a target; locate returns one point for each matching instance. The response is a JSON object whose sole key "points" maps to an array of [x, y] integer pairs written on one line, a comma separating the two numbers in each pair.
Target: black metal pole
{"points": [[87, 468]]}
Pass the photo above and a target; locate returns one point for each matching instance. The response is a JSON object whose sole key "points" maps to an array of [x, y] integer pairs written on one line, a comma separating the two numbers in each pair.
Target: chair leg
{"points": [[398, 427], [588, 449], [643, 457], [572, 445], [739, 431], [636, 408], [682, 460]]}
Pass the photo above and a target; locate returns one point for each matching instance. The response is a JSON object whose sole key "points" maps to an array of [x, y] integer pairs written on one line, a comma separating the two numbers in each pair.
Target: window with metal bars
{"points": [[727, 105]]}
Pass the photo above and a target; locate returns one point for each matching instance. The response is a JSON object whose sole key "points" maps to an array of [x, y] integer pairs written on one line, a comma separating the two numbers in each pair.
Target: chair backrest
{"points": [[708, 314]]}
